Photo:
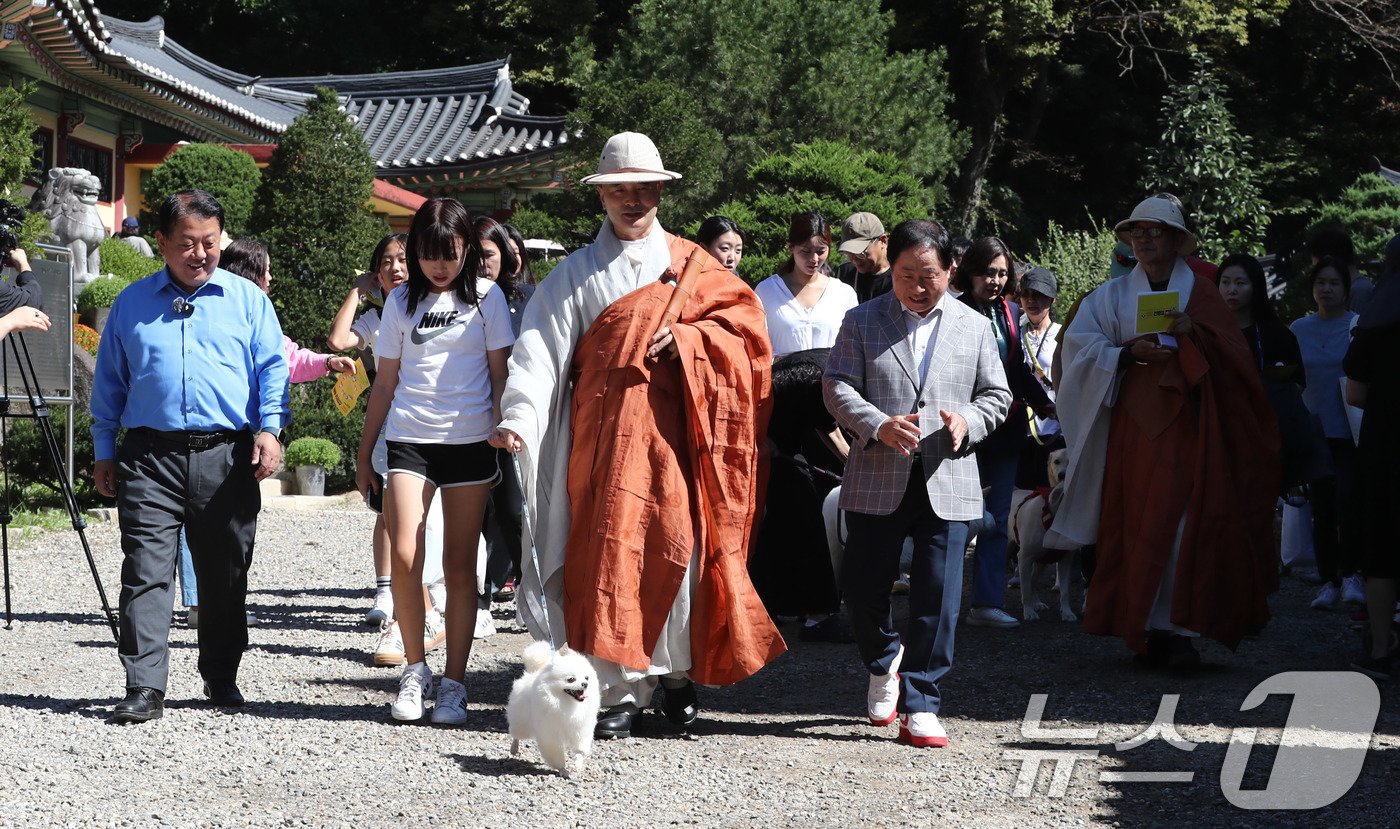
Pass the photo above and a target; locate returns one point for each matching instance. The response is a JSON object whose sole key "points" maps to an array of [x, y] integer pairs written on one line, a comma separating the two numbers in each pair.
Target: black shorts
{"points": [[446, 464]]}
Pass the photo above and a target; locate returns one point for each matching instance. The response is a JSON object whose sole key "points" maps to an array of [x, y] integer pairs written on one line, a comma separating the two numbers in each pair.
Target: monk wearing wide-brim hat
{"points": [[639, 444]]}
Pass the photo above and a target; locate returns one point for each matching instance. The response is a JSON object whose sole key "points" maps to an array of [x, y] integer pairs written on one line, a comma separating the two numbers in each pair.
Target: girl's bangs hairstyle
{"points": [[438, 228]]}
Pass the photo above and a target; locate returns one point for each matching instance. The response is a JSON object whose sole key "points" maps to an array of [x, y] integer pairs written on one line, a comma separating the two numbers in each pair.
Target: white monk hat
{"points": [[1163, 211], [630, 156]]}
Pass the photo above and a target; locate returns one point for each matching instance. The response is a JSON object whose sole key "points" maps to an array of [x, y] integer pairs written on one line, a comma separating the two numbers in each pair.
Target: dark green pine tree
{"points": [[312, 212]]}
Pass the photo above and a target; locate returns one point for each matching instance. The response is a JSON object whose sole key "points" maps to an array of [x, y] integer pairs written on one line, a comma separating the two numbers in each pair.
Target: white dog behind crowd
{"points": [[555, 705], [1032, 512]]}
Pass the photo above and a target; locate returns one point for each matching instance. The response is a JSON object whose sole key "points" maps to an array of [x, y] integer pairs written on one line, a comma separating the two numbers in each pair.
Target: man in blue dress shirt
{"points": [[191, 366]]}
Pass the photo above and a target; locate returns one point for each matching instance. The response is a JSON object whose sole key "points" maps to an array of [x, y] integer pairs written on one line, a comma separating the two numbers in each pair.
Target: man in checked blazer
{"points": [[916, 376]]}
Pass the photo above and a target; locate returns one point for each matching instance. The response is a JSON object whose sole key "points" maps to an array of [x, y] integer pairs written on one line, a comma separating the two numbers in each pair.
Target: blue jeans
{"points": [[998, 471], [189, 585], [871, 564]]}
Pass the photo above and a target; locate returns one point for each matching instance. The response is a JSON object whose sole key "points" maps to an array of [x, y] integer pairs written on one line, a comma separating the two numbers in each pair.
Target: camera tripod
{"points": [[39, 412]]}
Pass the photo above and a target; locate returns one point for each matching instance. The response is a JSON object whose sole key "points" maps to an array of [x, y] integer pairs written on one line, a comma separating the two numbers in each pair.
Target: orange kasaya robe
{"points": [[666, 460], [1193, 436]]}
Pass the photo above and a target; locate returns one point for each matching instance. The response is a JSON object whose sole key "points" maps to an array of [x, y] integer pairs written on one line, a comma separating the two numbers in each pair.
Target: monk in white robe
{"points": [[1173, 456], [668, 596]]}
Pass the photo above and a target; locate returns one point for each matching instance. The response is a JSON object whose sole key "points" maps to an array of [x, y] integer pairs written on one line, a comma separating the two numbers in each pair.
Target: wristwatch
{"points": [[275, 431]]}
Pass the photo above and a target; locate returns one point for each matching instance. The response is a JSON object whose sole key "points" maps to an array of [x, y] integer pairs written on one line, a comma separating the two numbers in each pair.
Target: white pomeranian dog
{"points": [[555, 704]]}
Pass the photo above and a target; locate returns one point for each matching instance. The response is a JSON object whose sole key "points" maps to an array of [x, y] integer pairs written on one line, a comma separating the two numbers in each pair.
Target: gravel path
{"points": [[315, 746]]}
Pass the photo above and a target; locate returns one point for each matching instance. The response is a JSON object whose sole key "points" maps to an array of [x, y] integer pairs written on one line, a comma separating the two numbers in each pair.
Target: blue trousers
{"points": [[189, 582], [998, 471], [870, 567]]}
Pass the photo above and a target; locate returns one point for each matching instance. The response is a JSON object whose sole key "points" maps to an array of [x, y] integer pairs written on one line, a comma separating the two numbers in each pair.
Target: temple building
{"points": [[117, 97]]}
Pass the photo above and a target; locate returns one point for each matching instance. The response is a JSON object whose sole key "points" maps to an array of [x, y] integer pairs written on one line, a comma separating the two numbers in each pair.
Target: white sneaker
{"points": [[922, 730], [415, 685], [389, 651], [383, 608], [992, 617], [1327, 597], [451, 708], [1354, 590], [883, 694], [434, 631], [485, 625]]}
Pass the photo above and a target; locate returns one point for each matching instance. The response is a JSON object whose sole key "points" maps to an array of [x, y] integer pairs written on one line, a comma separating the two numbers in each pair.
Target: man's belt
{"points": [[190, 440]]}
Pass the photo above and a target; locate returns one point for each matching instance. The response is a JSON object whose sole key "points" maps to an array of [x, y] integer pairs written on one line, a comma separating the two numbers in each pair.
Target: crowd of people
{"points": [[651, 449]]}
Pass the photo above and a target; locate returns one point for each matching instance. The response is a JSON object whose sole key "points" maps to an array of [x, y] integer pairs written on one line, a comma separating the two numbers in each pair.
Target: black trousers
{"points": [[869, 569], [503, 525], [1334, 541], [213, 494]]}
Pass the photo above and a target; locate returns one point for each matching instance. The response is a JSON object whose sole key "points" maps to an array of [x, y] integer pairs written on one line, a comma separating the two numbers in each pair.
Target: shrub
{"points": [[312, 213], [231, 176], [1369, 210], [831, 178], [33, 475], [1078, 258], [312, 452], [101, 292], [122, 261], [314, 415]]}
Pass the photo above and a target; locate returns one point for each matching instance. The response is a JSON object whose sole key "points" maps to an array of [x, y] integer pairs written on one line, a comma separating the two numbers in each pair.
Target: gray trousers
{"points": [[212, 493]]}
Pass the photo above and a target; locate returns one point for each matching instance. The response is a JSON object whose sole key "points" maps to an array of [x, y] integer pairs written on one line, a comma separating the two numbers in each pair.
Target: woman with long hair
{"points": [[1323, 339], [504, 510], [722, 238], [804, 305], [987, 269], [524, 274], [443, 343]]}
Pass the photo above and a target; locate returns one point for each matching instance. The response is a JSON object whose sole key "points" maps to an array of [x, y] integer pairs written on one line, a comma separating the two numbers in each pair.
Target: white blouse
{"points": [[794, 328]]}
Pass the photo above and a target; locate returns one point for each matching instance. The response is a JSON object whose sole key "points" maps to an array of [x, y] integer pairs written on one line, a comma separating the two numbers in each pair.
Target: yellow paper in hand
{"points": [[1152, 311], [348, 388]]}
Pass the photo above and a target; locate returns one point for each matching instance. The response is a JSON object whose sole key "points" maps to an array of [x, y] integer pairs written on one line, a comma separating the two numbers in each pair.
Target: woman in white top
{"points": [[388, 268], [803, 304], [1037, 293], [444, 337]]}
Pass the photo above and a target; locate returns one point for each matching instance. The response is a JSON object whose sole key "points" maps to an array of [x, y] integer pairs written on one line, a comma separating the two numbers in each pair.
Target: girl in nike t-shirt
{"points": [[443, 341]]}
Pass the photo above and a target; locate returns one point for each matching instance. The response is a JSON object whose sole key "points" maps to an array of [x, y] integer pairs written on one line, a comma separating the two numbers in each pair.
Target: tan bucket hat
{"points": [[1162, 211], [630, 156]]}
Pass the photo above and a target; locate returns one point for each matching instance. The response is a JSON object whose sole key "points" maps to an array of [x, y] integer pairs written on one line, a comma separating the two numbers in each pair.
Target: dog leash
{"points": [[537, 603]]}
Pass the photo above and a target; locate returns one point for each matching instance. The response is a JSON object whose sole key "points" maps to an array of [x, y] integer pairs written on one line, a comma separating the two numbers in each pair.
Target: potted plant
{"points": [[311, 457], [96, 298]]}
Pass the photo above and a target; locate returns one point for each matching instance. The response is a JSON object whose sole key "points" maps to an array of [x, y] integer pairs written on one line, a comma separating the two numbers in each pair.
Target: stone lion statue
{"points": [[69, 199]]}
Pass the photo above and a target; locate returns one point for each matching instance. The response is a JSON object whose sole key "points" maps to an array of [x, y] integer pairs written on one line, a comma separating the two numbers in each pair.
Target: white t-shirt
{"points": [[367, 327], [444, 390], [794, 328]]}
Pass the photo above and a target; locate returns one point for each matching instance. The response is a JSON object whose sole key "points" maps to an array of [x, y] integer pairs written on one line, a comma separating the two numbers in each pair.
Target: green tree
{"points": [[16, 139], [312, 213], [1206, 162], [17, 160], [829, 177], [231, 176], [1002, 53], [1078, 258], [1370, 211], [720, 84]]}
